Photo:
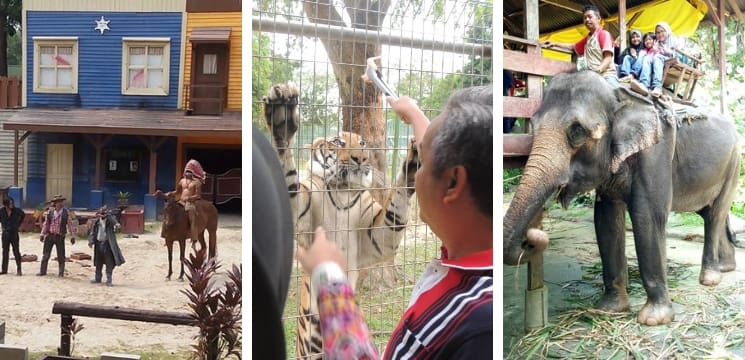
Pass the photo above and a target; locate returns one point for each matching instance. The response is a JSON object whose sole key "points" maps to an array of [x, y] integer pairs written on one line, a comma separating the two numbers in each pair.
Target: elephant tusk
{"points": [[538, 239]]}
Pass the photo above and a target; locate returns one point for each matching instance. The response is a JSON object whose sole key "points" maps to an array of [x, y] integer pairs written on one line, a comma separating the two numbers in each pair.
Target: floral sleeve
{"points": [[343, 328]]}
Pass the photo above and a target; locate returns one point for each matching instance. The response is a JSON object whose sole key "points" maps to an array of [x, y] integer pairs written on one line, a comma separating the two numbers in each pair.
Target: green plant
{"points": [[510, 178], [73, 329], [217, 311], [123, 195]]}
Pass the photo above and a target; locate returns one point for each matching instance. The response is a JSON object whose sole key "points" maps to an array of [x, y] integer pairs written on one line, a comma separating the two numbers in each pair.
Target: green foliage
{"points": [[14, 49], [268, 67], [122, 195], [10, 11], [585, 199], [217, 311], [510, 178]]}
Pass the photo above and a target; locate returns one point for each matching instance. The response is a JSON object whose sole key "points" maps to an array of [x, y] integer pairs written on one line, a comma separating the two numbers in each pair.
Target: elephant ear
{"points": [[636, 126]]}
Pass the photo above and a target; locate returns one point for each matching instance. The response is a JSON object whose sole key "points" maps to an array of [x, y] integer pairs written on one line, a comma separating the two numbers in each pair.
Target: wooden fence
{"points": [[69, 309], [10, 92]]}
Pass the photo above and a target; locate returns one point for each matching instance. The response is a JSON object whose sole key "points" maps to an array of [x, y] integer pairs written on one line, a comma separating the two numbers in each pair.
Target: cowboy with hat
{"points": [[57, 224], [106, 249]]}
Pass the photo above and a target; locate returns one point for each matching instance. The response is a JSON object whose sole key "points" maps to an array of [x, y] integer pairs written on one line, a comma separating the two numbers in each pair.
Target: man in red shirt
{"points": [[57, 224], [450, 312], [596, 47]]}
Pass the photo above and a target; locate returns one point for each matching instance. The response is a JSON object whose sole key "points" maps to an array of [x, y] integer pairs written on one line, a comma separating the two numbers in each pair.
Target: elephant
{"points": [[589, 135]]}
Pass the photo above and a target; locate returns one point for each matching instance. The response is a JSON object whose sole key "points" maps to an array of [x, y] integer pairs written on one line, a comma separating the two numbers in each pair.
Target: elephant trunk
{"points": [[547, 168]]}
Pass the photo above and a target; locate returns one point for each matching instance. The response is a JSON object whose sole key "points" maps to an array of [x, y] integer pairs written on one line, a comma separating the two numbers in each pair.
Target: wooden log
{"points": [[120, 313]]}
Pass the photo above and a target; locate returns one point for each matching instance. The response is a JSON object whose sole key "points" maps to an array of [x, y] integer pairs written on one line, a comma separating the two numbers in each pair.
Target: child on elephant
{"points": [[650, 71], [630, 57]]}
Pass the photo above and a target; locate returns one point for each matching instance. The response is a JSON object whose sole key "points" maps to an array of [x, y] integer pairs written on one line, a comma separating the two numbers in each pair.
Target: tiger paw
{"points": [[411, 164], [281, 112]]}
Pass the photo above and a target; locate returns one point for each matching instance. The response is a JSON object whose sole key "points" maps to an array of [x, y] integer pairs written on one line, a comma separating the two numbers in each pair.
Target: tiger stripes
{"points": [[336, 195]]}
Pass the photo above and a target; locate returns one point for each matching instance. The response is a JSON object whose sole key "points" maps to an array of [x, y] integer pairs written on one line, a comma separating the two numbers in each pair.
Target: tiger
{"points": [[336, 195]]}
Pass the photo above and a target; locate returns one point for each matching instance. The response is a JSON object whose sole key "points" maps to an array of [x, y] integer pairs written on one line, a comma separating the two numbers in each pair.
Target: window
{"points": [[56, 65], [209, 67], [145, 66], [122, 165]]}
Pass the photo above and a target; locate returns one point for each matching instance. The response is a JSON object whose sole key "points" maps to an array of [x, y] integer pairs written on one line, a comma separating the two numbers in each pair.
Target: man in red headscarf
{"points": [[189, 190]]}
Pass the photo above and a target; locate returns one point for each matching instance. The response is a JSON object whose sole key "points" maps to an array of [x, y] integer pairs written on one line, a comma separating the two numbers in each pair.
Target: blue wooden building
{"points": [[103, 90]]}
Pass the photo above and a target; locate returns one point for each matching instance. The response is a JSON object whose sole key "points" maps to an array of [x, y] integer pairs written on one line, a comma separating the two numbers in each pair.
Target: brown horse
{"points": [[176, 227]]}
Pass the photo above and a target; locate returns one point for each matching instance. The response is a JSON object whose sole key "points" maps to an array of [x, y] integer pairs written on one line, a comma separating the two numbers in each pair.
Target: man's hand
{"points": [[405, 107], [90, 245], [41, 238], [72, 240], [320, 251]]}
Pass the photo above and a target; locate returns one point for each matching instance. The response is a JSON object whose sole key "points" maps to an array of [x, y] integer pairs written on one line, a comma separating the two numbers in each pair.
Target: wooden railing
{"points": [[516, 147], [69, 309], [193, 95], [10, 92]]}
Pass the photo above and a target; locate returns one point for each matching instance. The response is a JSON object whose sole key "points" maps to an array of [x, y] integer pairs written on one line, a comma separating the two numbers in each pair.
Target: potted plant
{"points": [[122, 198]]}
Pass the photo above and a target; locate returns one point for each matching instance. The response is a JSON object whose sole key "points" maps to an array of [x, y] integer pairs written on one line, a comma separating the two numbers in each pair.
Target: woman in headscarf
{"points": [[630, 57], [666, 41]]}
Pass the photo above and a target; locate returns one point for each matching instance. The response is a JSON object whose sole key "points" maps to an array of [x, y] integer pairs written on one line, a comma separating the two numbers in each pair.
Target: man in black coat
{"points": [[11, 217], [107, 251]]}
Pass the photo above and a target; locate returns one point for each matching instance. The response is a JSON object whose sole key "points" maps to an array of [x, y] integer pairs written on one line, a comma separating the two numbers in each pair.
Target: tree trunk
{"points": [[361, 103], [3, 44]]}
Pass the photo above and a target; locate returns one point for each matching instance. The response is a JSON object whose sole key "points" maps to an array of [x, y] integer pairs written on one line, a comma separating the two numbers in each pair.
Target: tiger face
{"points": [[342, 160]]}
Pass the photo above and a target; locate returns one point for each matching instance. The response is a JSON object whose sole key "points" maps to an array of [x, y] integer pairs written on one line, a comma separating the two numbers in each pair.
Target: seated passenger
{"points": [[630, 57], [650, 69]]}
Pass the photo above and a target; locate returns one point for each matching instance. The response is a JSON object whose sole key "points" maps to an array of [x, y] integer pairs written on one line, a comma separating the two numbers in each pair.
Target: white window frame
{"points": [[40, 41], [128, 42]]}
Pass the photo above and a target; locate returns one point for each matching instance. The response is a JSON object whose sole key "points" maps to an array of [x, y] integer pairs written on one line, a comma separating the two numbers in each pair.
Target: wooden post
{"points": [[64, 340], [18, 141], [15, 160], [622, 22], [98, 141], [536, 302], [721, 28], [116, 312], [152, 143]]}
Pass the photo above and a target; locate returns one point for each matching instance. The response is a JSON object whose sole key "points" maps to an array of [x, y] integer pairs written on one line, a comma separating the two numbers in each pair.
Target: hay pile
{"points": [[709, 324]]}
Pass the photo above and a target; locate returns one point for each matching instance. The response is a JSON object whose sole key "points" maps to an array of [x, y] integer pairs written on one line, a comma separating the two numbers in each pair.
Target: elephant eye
{"points": [[577, 135]]}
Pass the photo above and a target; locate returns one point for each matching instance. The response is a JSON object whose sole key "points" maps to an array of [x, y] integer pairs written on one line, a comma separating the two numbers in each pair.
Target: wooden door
{"points": [[209, 90], [59, 171]]}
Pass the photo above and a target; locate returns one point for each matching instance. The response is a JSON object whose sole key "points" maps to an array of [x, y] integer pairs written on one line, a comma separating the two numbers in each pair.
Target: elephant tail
{"points": [[731, 235]]}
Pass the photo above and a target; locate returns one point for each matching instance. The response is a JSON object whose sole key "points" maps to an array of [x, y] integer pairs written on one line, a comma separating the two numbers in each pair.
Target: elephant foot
{"points": [[653, 314], [709, 277], [614, 303], [727, 266]]}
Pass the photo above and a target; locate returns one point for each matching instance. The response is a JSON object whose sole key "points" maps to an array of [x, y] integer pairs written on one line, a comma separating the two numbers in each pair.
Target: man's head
{"points": [[188, 174], [456, 154], [8, 202], [58, 201], [591, 17]]}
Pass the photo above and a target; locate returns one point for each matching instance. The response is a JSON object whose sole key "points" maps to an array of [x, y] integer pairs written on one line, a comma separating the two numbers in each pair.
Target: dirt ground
{"points": [[572, 250], [140, 283]]}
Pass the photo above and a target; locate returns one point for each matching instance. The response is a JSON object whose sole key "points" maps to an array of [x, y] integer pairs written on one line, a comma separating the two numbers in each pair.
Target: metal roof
{"points": [[560, 14], [210, 34], [125, 122]]}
